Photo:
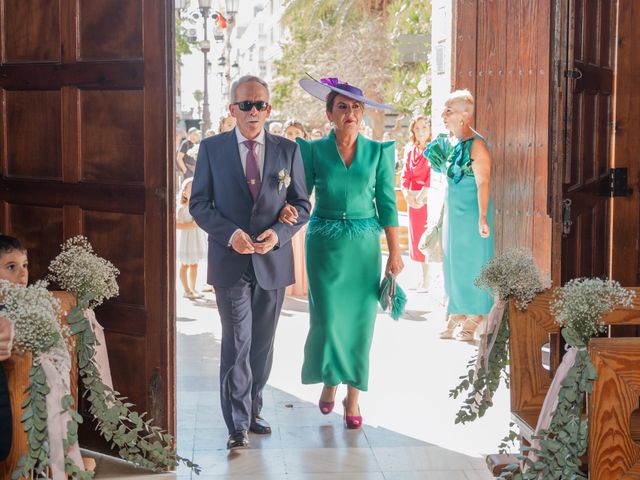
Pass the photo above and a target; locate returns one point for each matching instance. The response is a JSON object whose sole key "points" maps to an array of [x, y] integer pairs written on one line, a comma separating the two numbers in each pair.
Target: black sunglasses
{"points": [[246, 106]]}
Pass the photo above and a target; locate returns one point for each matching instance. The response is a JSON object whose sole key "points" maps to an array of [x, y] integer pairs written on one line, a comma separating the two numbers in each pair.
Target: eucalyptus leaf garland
{"points": [[482, 382], [35, 461], [578, 308], [130, 434], [565, 441]]}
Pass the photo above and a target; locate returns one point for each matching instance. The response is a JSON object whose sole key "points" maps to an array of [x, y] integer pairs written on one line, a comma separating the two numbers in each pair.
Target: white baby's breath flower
{"points": [[79, 270], [581, 303], [512, 274], [34, 313]]}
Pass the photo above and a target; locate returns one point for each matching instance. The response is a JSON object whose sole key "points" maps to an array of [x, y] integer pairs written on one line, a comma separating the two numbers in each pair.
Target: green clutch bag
{"points": [[391, 297]]}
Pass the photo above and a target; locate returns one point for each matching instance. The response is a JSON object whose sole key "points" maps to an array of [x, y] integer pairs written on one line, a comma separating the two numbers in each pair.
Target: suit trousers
{"points": [[5, 416], [249, 316]]}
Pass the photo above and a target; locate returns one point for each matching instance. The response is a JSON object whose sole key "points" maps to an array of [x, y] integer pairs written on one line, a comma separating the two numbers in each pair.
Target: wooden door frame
{"points": [[559, 125]]}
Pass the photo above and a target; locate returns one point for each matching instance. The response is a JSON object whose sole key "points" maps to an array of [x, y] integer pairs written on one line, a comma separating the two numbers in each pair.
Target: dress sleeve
{"points": [[406, 170], [307, 160], [385, 191]]}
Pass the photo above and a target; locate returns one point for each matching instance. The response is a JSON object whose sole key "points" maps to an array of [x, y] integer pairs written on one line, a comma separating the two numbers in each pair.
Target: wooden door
{"points": [[86, 148], [586, 215]]}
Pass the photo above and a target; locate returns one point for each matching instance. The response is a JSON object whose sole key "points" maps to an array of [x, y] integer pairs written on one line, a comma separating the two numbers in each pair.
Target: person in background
{"points": [[192, 245], [14, 267], [294, 129], [467, 238], [353, 178], [226, 124], [187, 163], [275, 128], [316, 134], [209, 133], [326, 129], [416, 176]]}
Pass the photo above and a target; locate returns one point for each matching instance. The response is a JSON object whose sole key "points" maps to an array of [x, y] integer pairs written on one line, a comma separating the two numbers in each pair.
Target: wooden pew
{"points": [[614, 428], [18, 367]]}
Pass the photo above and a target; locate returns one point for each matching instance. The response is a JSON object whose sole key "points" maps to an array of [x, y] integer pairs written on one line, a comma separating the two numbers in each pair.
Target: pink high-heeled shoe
{"points": [[326, 407], [352, 422]]}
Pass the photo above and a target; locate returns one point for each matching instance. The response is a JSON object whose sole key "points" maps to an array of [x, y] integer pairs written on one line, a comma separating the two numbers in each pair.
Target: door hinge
{"points": [[616, 183], [566, 217], [574, 74]]}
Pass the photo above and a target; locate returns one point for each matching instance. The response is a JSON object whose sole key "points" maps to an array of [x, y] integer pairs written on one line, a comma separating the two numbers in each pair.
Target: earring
{"points": [[461, 123]]}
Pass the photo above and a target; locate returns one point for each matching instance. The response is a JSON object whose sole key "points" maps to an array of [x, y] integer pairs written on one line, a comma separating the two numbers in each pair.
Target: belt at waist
{"points": [[343, 215]]}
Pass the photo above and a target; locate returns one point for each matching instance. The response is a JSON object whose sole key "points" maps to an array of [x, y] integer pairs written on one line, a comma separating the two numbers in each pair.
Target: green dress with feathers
{"points": [[343, 256]]}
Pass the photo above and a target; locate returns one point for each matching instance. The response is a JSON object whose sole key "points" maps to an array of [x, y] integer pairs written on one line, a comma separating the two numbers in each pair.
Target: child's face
{"points": [[186, 193], [14, 267]]}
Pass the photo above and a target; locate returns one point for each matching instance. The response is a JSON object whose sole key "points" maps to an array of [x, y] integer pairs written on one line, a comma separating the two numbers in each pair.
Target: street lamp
{"points": [[205, 47], [232, 7]]}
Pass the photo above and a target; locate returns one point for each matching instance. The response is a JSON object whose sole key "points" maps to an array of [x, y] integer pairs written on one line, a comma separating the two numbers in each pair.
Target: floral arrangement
{"points": [[561, 436], [93, 279], [581, 303], [512, 274], [34, 313], [79, 270]]}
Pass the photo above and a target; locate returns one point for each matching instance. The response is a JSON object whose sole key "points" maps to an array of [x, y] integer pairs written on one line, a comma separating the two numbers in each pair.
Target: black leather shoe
{"points": [[260, 426], [238, 440]]}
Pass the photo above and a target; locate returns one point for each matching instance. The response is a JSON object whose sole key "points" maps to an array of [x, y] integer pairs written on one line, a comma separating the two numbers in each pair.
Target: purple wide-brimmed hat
{"points": [[320, 90]]}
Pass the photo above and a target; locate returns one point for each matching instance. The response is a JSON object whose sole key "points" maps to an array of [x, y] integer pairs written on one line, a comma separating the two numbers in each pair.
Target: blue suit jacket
{"points": [[221, 203]]}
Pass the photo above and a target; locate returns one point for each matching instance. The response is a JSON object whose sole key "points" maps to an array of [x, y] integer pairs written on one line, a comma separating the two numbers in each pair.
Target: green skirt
{"points": [[344, 275]]}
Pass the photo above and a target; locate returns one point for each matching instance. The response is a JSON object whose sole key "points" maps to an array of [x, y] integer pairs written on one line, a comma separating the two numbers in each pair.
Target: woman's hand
{"points": [[483, 227], [395, 264], [288, 215]]}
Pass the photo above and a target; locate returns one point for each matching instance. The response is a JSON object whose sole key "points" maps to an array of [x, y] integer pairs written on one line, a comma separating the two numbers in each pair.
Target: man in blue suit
{"points": [[242, 181]]}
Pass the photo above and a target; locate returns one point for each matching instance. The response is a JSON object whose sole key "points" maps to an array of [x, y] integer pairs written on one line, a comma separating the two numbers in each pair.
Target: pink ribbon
{"points": [[101, 358], [57, 368], [551, 400]]}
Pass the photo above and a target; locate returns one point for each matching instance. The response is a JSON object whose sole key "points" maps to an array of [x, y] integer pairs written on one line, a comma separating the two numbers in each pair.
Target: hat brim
{"points": [[321, 90]]}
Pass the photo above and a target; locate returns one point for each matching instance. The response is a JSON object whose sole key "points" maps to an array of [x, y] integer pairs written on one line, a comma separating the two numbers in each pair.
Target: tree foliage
{"points": [[182, 42], [356, 41], [330, 38]]}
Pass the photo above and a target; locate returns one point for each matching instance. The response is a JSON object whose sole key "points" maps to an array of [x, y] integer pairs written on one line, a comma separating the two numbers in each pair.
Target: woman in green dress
{"points": [[353, 179], [468, 222]]}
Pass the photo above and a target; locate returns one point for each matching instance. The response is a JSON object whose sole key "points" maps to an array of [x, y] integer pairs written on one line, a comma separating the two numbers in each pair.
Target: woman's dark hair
{"points": [[331, 99], [9, 244]]}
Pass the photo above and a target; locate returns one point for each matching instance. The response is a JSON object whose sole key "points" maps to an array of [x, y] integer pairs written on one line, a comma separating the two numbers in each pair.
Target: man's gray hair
{"points": [[246, 79]]}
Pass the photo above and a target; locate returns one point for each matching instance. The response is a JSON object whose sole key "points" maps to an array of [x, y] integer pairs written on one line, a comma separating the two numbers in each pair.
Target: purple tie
{"points": [[252, 169]]}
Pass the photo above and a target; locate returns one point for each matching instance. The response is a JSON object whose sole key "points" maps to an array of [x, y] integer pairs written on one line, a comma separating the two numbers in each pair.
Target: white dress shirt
{"points": [[244, 150]]}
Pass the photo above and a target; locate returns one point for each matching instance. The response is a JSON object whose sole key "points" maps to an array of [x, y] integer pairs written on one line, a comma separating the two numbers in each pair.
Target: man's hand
{"points": [[265, 241], [6, 338], [288, 215], [241, 243]]}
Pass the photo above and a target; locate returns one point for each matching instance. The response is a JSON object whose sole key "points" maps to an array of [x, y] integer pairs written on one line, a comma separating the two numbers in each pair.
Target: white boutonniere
{"points": [[284, 179]]}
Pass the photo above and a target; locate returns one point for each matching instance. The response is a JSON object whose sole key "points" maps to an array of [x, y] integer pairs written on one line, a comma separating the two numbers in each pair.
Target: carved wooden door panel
{"points": [[585, 244], [86, 147]]}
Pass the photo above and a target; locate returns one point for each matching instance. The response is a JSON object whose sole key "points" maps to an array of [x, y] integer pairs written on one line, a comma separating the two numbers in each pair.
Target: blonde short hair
{"points": [[464, 98]]}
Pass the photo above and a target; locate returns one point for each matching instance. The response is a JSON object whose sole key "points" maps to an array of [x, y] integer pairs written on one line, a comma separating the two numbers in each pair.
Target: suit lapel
{"points": [[271, 163], [233, 154]]}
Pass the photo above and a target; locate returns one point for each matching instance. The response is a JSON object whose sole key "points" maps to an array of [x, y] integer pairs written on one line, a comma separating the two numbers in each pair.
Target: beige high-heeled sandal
{"points": [[469, 327], [454, 320]]}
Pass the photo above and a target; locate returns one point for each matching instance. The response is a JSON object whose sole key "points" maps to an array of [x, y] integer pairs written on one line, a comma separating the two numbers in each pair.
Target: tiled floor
{"points": [[409, 433]]}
